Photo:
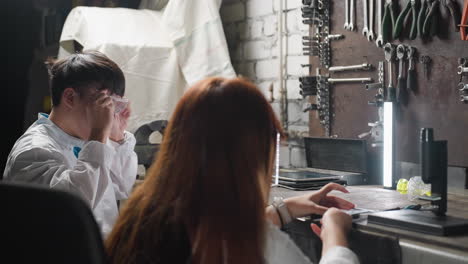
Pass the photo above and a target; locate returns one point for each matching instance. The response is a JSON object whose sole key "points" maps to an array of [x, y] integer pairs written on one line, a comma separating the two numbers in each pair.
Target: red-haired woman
{"points": [[203, 200]]}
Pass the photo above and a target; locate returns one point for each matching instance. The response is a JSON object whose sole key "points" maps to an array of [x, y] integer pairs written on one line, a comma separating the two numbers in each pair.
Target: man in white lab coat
{"points": [[82, 146]]}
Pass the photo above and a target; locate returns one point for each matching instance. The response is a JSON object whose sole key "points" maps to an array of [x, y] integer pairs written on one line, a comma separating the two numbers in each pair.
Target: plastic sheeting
{"points": [[160, 52]]}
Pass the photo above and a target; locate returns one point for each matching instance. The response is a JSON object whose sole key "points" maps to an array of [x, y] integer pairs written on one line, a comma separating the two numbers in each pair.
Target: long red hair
{"points": [[204, 198]]}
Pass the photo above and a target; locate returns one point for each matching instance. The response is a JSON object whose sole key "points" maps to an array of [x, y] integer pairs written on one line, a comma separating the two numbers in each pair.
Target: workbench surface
{"points": [[377, 198]]}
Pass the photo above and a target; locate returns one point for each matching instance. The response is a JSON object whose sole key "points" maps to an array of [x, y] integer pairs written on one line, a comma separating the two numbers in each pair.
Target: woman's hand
{"points": [[335, 227], [317, 202]]}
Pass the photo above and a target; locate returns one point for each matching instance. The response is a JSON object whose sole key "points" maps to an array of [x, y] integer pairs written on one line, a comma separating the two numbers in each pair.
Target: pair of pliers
{"points": [[464, 22], [453, 9], [388, 20], [429, 26], [411, 5]]}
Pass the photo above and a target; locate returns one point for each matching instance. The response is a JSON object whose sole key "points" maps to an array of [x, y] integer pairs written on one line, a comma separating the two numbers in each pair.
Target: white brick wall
{"points": [[264, 86], [251, 28], [293, 66], [257, 49], [257, 29], [267, 69], [256, 8], [293, 89], [295, 44], [271, 25]]}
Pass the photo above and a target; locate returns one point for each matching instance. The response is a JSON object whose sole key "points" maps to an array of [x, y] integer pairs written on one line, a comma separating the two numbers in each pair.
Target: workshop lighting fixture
{"points": [[388, 145], [277, 160]]}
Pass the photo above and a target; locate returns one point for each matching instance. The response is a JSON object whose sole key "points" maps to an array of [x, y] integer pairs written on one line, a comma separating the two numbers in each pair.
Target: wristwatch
{"points": [[282, 209]]}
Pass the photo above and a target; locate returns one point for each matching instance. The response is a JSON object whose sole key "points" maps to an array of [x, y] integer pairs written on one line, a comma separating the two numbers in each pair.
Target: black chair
{"points": [[41, 225]]}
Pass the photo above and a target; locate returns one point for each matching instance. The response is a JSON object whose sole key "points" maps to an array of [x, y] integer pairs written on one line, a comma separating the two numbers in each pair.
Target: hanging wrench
{"points": [[351, 16], [346, 24], [345, 80], [379, 41], [389, 56], [370, 35], [365, 30], [401, 86]]}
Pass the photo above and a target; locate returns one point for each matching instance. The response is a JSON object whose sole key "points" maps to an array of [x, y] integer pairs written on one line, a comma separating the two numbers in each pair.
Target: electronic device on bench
{"points": [[433, 157], [343, 161]]}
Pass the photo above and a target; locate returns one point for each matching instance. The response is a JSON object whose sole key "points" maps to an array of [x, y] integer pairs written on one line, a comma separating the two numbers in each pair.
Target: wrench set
{"points": [[405, 56], [319, 87], [463, 84], [316, 14]]}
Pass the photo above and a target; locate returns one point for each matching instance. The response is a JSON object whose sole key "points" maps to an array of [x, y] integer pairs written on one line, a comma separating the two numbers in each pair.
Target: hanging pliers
{"points": [[388, 20], [454, 12], [430, 22], [421, 16], [411, 5]]}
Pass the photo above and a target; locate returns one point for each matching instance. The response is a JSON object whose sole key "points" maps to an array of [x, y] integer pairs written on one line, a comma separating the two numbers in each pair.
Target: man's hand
{"points": [[119, 124], [317, 202], [100, 113]]}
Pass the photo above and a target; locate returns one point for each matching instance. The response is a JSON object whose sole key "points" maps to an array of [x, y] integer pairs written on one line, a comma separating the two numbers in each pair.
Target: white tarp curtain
{"points": [[160, 52]]}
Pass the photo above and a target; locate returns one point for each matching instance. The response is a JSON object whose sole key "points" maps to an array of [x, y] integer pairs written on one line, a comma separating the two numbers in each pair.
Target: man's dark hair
{"points": [[80, 70]]}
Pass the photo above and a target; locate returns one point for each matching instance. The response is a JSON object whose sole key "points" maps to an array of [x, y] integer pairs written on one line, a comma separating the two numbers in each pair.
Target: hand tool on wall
{"points": [[421, 16], [464, 22], [310, 107], [379, 97], [401, 86], [351, 16], [411, 77], [410, 6], [346, 24], [348, 80], [308, 86], [313, 21], [389, 57], [379, 40], [365, 29], [462, 70], [426, 61], [388, 20], [334, 37], [430, 22], [364, 66], [454, 13], [317, 15], [376, 132], [463, 86], [370, 35]]}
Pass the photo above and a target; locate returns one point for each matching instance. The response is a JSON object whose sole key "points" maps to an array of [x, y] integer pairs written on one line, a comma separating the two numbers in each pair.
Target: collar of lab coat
{"points": [[63, 138]]}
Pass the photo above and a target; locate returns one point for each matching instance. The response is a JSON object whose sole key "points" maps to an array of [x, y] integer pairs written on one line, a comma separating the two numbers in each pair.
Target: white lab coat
{"points": [[280, 249], [100, 173]]}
